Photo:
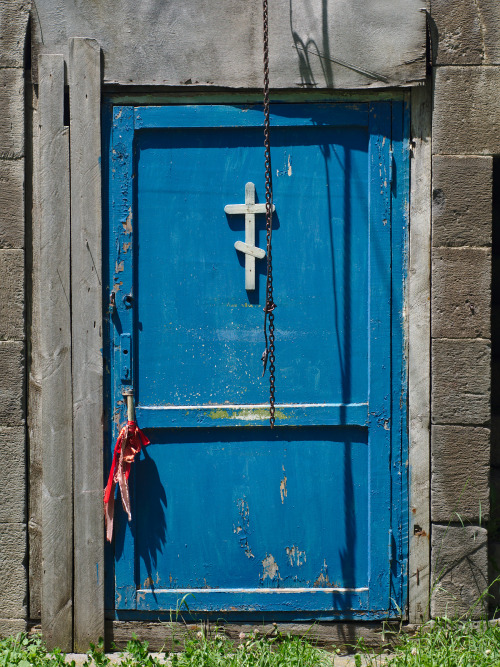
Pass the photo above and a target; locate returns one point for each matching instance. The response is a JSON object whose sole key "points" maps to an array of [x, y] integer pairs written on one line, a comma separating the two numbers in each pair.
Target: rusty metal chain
{"points": [[270, 305]]}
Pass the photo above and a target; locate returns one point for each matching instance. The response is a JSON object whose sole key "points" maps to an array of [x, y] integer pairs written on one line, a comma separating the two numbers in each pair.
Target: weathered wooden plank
{"points": [[55, 354], [85, 83], [419, 330], [171, 635], [34, 400]]}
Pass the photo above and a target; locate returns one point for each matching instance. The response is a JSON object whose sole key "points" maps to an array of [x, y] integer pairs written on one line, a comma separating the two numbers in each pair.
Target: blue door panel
{"points": [[193, 346], [307, 519]]}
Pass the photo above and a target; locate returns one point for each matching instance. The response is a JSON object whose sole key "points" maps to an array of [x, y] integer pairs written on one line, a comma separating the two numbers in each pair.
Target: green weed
{"points": [[29, 651], [441, 643], [253, 651], [445, 643]]}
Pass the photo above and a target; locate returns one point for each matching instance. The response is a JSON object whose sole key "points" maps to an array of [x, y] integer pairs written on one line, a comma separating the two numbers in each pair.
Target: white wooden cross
{"points": [[250, 209]]}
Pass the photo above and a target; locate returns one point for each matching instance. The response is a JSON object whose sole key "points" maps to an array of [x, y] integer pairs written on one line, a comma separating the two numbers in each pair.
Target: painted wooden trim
{"points": [[334, 414], [55, 353], [380, 341], [333, 602], [183, 96], [86, 230], [343, 114], [419, 334]]}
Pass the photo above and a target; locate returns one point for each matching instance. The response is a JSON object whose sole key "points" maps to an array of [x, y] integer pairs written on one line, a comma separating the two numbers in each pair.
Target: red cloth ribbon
{"points": [[130, 441]]}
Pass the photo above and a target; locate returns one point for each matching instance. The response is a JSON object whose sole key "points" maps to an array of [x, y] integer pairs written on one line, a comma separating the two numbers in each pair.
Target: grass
{"points": [[443, 643], [446, 643]]}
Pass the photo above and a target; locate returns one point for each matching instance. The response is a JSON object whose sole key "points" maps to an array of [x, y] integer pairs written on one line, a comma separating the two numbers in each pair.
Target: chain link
{"points": [[270, 305]]}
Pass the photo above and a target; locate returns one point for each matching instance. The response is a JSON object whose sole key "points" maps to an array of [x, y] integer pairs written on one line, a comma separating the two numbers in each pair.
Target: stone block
{"points": [[14, 17], [468, 32], [459, 570], [13, 475], [460, 458], [12, 385], [12, 626], [461, 200], [466, 118], [13, 593], [12, 203], [12, 116], [461, 382], [11, 294], [461, 293]]}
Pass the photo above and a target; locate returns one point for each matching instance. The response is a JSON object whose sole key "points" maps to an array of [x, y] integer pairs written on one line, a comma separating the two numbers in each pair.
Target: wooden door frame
{"points": [[85, 402]]}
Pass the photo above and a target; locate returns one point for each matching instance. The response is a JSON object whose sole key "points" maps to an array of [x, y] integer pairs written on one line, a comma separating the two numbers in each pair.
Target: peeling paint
{"points": [[270, 568], [127, 223], [289, 165], [244, 511], [296, 557], [247, 414], [119, 267], [244, 524], [116, 416], [126, 247], [323, 581], [219, 414], [248, 552], [283, 489]]}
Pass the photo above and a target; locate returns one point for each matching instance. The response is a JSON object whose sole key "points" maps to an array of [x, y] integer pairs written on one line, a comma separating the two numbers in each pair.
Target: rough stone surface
{"points": [[460, 570], [12, 626], [14, 15], [12, 203], [11, 294], [12, 565], [468, 32], [461, 289], [12, 385], [12, 475], [466, 116], [461, 200], [460, 458], [461, 381], [317, 44], [12, 116]]}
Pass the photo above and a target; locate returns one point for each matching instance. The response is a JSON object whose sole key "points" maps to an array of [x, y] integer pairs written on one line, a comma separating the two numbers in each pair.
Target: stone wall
{"points": [[466, 136], [13, 540]]}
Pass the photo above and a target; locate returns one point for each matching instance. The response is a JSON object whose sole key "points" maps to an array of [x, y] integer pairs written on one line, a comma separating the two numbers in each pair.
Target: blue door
{"points": [[307, 520]]}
